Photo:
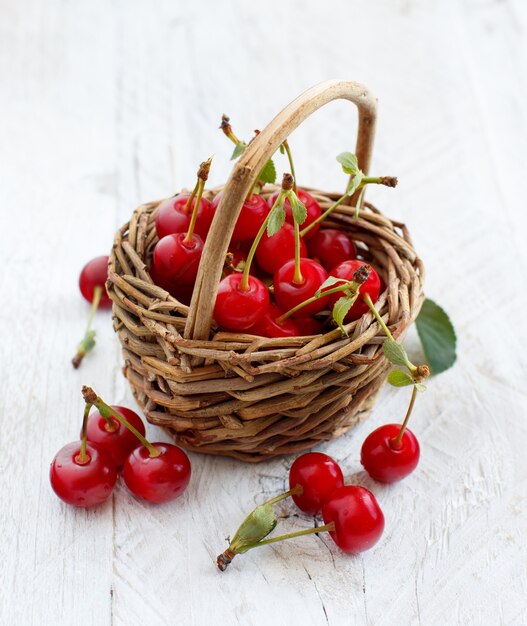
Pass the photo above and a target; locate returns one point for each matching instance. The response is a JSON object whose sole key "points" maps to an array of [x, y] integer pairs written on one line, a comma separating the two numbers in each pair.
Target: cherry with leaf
{"points": [[392, 451]]}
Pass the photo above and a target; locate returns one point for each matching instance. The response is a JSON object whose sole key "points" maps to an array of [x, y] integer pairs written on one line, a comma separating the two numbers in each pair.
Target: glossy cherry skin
{"points": [[159, 478], [312, 208], [372, 287], [86, 484], [252, 216], [172, 216], [119, 442], [331, 247], [318, 475], [238, 310], [359, 521], [289, 294], [267, 326], [382, 460], [177, 259], [273, 252], [94, 274], [309, 326]]}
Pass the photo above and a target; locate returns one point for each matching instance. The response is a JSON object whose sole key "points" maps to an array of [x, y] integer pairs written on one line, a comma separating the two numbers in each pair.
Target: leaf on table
{"points": [[257, 525], [437, 336]]}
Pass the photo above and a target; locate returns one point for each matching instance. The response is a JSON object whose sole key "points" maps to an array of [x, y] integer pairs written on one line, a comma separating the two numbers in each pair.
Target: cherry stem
{"points": [[227, 130], [285, 144], [203, 174], [397, 441], [84, 346], [244, 283], [298, 279], [297, 490], [188, 203], [388, 181], [190, 231], [379, 319], [83, 458], [105, 410], [299, 533], [351, 285], [322, 217]]}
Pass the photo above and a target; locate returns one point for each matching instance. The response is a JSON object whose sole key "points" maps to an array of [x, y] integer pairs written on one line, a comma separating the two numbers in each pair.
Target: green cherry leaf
{"points": [[437, 335], [340, 310], [354, 183], [239, 149], [268, 173], [257, 525], [276, 220], [298, 208], [330, 281], [349, 162], [398, 378], [282, 148], [395, 353]]}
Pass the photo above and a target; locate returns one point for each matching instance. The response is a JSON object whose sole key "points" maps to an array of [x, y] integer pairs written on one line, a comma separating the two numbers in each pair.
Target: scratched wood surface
{"points": [[108, 104]]}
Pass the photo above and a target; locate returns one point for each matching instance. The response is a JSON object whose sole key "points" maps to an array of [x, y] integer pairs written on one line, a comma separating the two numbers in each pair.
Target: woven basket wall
{"points": [[244, 396]]}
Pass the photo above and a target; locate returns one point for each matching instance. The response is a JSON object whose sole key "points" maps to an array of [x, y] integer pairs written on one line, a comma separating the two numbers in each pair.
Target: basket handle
{"points": [[245, 172]]}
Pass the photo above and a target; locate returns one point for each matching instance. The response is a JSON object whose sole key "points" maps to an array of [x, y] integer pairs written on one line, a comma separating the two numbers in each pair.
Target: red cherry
{"points": [[251, 217], [94, 274], [115, 440], [267, 325], [177, 259], [173, 216], [372, 287], [82, 484], [288, 294], [157, 478], [273, 252], [318, 475], [312, 207], [236, 309], [358, 519], [331, 247], [309, 326], [383, 460]]}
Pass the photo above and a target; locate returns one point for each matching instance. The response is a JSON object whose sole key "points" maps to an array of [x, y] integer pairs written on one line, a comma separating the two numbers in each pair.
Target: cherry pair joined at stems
{"points": [[83, 473], [351, 514]]}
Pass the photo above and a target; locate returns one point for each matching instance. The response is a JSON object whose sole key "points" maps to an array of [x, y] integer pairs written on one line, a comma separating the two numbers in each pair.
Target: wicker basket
{"points": [[244, 396]]}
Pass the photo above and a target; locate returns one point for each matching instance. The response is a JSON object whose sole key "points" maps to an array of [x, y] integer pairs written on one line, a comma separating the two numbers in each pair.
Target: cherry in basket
{"points": [[174, 215]]}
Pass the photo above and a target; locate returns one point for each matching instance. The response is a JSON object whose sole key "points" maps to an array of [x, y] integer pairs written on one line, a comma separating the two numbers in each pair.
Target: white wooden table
{"points": [[105, 105]]}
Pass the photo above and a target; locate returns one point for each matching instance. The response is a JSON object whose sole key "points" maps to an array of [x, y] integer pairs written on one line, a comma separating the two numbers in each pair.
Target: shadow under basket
{"points": [[244, 396]]}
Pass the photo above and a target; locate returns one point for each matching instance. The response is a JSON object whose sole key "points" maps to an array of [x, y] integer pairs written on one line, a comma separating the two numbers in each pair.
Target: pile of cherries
{"points": [[278, 259], [351, 513], [83, 473]]}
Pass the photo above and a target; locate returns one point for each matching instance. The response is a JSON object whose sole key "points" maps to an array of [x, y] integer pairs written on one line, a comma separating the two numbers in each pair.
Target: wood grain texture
{"points": [[107, 105]]}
